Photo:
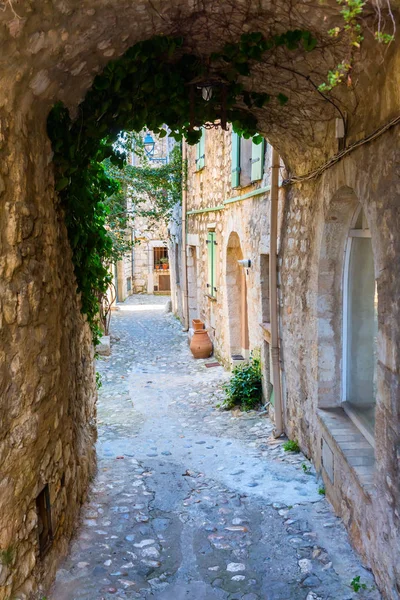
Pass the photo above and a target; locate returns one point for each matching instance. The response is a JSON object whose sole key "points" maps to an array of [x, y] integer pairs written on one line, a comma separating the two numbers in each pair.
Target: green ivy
{"points": [[146, 88], [153, 190]]}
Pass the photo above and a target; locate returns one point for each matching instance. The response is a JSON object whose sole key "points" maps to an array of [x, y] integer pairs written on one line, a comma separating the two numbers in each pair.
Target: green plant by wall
{"points": [[291, 446], [357, 585], [145, 88], [244, 389], [99, 382]]}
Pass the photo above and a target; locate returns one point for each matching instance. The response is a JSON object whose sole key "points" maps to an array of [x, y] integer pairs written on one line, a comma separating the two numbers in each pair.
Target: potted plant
{"points": [[157, 267], [164, 261]]}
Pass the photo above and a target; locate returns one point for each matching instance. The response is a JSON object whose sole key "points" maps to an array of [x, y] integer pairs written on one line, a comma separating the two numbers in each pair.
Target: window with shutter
{"points": [[257, 161], [235, 159], [212, 264], [200, 151]]}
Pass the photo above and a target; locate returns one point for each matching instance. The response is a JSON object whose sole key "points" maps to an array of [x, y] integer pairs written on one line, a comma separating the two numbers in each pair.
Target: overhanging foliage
{"points": [[146, 87]]}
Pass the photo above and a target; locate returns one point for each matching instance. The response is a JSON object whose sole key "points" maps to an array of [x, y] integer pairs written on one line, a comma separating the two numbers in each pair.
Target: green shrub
{"points": [[244, 389], [291, 446]]}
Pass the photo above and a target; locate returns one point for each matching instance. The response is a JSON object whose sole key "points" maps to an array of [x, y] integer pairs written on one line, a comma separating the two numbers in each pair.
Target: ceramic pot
{"points": [[165, 266], [201, 345], [197, 325]]}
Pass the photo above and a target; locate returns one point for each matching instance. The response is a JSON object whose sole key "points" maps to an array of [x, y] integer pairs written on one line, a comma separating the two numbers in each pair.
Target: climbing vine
{"points": [[150, 190], [352, 29], [147, 87]]}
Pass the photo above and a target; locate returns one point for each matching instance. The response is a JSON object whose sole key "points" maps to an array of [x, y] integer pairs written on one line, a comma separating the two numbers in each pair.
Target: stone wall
{"points": [[47, 387], [315, 230], [243, 223]]}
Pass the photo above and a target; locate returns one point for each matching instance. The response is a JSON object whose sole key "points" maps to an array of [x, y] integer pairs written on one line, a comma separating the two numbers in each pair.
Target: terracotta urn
{"points": [[201, 345], [197, 325]]}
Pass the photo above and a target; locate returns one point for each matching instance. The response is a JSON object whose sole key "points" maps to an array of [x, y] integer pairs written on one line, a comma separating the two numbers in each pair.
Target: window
{"points": [[161, 260], [247, 161], [200, 151], [43, 509], [360, 328], [212, 264]]}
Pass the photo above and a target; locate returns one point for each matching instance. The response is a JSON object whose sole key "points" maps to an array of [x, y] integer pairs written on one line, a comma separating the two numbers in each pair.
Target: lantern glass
{"points": [[149, 144], [207, 92]]}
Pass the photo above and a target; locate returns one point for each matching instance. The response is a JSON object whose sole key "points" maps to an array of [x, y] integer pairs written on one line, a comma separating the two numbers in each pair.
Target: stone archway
{"points": [[347, 313], [236, 293], [330, 295], [47, 382]]}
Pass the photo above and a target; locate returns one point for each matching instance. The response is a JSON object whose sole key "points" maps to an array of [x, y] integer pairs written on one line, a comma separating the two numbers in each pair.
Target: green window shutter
{"points": [[200, 151], [214, 268], [257, 161], [235, 159], [212, 264]]}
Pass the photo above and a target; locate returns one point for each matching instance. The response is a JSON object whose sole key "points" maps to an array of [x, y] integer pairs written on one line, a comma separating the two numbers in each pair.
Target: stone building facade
{"points": [[145, 269], [338, 276], [227, 221]]}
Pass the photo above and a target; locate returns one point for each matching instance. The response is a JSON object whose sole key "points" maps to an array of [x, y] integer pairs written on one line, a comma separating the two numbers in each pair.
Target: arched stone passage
{"points": [[52, 51], [236, 292]]}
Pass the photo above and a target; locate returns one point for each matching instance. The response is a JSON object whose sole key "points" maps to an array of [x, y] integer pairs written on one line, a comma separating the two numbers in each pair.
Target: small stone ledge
{"points": [[348, 441], [104, 347]]}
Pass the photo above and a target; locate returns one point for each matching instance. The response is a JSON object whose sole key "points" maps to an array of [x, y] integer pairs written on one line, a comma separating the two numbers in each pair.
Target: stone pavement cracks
{"points": [[192, 502]]}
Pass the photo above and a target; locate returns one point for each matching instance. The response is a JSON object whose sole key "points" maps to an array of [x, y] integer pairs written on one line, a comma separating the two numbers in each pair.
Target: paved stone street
{"points": [[193, 502]]}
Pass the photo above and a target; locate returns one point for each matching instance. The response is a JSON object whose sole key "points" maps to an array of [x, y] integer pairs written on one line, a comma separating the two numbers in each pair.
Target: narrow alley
{"points": [[193, 502]]}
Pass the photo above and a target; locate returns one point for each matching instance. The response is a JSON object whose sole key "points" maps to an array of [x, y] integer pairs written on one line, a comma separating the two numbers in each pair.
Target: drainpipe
{"points": [[185, 295], [273, 224]]}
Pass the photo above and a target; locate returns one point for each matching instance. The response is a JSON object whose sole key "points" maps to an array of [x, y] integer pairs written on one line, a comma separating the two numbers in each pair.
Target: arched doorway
{"points": [[347, 314], [236, 290], [360, 326]]}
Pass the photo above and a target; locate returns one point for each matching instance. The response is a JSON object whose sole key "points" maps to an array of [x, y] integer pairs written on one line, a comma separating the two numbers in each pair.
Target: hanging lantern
{"points": [[149, 145], [209, 88], [206, 91]]}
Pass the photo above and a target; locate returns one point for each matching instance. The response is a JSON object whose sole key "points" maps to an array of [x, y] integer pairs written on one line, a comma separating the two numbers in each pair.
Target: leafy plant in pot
{"points": [[165, 263]]}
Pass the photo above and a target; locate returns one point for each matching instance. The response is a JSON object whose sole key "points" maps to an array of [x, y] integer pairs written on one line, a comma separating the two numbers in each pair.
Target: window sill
{"points": [[349, 442], [266, 329]]}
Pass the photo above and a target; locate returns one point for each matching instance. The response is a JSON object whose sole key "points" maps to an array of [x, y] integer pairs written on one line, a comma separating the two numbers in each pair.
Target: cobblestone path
{"points": [[192, 502]]}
